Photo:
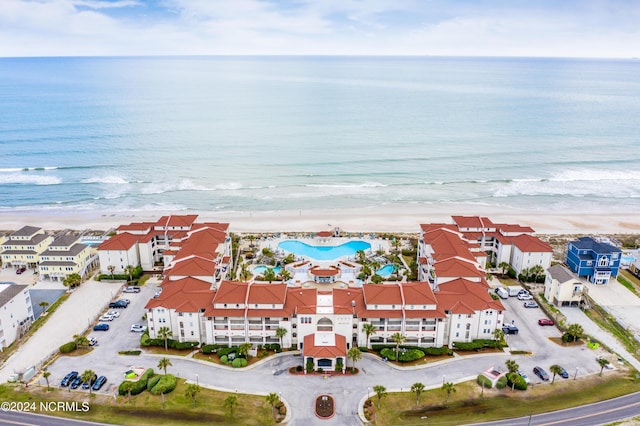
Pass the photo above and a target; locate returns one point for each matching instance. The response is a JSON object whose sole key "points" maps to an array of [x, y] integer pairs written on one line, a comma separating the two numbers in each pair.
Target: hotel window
{"points": [[603, 261], [457, 334]]}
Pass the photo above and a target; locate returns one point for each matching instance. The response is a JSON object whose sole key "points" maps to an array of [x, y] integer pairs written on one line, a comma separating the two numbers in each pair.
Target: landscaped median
{"points": [[469, 402]]}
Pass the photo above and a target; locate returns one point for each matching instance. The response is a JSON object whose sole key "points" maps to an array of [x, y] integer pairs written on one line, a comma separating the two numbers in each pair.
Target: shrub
{"points": [[437, 351], [166, 384], [512, 273], [309, 366], [404, 355], [224, 359], [273, 347], [502, 382], [136, 387], [184, 345], [239, 363], [68, 347], [145, 340], [134, 352], [388, 353], [207, 349], [363, 349], [482, 380], [379, 347], [299, 368], [153, 381], [520, 383], [566, 338], [320, 370], [227, 351], [339, 366]]}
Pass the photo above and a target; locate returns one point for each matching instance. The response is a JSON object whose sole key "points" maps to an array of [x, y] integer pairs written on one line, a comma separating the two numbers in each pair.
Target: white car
{"points": [[114, 314], [139, 328], [608, 365], [524, 376], [106, 317], [525, 296], [93, 341]]}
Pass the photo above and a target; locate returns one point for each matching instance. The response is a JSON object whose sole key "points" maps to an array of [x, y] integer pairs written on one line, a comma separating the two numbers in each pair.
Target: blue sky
{"points": [[565, 28]]}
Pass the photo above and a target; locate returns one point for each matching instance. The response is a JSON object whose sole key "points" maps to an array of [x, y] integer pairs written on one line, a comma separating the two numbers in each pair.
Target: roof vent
{"points": [[353, 303]]}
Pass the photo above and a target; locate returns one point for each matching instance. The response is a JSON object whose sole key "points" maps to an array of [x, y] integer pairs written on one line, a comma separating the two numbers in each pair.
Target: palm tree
{"points": [[87, 377], [80, 340], [244, 272], [269, 275], [44, 305], [396, 243], [575, 331], [46, 375], [449, 389], [164, 363], [368, 329], [354, 355], [399, 339], [512, 366], [165, 333], [280, 333], [381, 392], [243, 349], [504, 266], [535, 272], [361, 256], [273, 399], [111, 270], [555, 369], [602, 362], [251, 239], [191, 392], [129, 270], [498, 335], [230, 403], [366, 272], [72, 280], [285, 275], [417, 388]]}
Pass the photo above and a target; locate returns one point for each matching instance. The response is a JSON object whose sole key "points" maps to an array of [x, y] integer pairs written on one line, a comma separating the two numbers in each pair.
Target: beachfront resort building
{"points": [[598, 261], [154, 245], [562, 287], [23, 247], [446, 251], [66, 255], [16, 313], [323, 317]]}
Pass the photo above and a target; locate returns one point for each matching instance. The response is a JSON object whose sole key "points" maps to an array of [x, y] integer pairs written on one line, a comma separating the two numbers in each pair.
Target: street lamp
{"points": [[443, 379], [575, 375], [197, 381], [368, 392]]}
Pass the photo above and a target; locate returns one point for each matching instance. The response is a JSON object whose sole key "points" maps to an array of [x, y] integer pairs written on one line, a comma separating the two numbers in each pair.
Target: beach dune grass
{"points": [[468, 406]]}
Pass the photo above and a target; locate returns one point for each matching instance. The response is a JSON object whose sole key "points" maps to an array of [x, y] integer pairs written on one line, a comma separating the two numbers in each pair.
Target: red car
{"points": [[545, 321], [20, 270]]}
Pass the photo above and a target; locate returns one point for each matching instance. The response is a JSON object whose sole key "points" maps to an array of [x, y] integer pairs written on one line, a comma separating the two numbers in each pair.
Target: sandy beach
{"points": [[391, 218]]}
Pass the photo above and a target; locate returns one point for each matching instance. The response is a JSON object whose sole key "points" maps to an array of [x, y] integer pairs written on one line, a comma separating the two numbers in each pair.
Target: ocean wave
{"points": [[188, 185], [23, 179], [111, 179], [347, 185], [25, 169]]}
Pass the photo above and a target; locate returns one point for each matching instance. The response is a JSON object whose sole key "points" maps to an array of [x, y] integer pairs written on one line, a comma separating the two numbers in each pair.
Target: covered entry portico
{"points": [[325, 350]]}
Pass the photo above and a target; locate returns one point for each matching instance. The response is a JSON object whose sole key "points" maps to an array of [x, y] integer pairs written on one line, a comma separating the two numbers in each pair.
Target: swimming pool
{"points": [[261, 269], [324, 252], [386, 270]]}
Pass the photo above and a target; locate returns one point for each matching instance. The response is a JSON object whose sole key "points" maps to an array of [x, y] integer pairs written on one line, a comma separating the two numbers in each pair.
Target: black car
{"points": [[101, 327], [76, 382], [87, 385], [541, 373], [118, 305], [66, 381], [99, 383], [509, 329]]}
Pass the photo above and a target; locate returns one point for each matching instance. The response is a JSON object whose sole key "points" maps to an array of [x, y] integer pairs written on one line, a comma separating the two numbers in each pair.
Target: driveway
{"points": [[619, 301]]}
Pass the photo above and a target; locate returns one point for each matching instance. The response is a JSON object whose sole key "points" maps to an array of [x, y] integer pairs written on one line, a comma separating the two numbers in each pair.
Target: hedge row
{"points": [[273, 347], [165, 384], [136, 387], [484, 381], [403, 355], [475, 345], [502, 382], [208, 349], [432, 351], [137, 273], [226, 351], [145, 340], [68, 347]]}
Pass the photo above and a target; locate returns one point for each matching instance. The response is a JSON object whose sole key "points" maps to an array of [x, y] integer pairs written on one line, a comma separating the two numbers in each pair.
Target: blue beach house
{"points": [[598, 261]]}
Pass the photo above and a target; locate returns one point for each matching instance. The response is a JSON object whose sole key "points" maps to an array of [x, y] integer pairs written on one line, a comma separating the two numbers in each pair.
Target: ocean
{"points": [[238, 134]]}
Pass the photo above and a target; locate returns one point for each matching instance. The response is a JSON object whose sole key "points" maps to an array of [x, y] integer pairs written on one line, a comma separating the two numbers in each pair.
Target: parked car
{"points": [[20, 270], [76, 382], [125, 301], [87, 385], [563, 373], [608, 365], [541, 373], [530, 304], [66, 381], [523, 291], [546, 321], [525, 296], [509, 329], [114, 314], [93, 341], [524, 376], [139, 328], [99, 383], [101, 327], [502, 293], [131, 289], [106, 317], [118, 305]]}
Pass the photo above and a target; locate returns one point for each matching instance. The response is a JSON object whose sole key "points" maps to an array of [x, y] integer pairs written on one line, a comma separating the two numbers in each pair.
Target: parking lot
{"points": [[104, 358], [534, 338]]}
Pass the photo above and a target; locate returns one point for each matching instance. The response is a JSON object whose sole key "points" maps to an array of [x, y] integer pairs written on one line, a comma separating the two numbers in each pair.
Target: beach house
{"points": [[66, 256], [598, 261], [23, 247], [16, 313], [562, 287]]}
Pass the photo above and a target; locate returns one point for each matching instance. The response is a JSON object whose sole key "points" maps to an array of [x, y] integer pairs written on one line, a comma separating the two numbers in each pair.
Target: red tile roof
{"points": [[301, 300], [530, 244], [231, 292], [462, 296], [324, 272], [118, 242], [267, 294], [344, 298], [177, 220], [473, 222], [324, 350], [418, 293], [457, 267], [185, 295], [382, 294], [191, 267]]}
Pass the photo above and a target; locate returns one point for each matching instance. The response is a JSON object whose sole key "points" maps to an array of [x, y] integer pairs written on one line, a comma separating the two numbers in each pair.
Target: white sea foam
{"points": [[28, 179], [110, 179]]}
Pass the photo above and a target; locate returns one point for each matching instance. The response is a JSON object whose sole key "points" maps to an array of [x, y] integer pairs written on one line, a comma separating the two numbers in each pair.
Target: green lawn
{"points": [[466, 405], [147, 409]]}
